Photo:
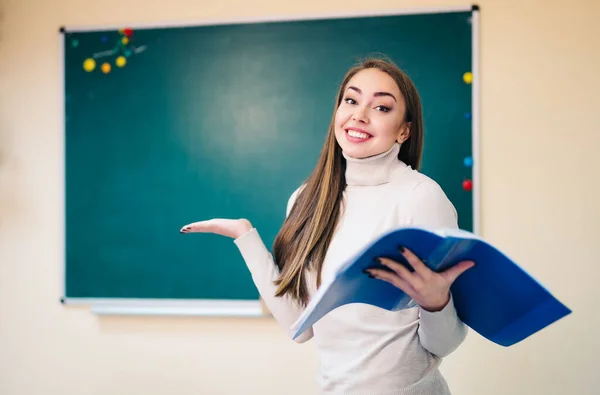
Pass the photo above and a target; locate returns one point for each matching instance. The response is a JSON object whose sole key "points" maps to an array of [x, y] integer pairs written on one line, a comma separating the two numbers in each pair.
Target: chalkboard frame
{"points": [[254, 308]]}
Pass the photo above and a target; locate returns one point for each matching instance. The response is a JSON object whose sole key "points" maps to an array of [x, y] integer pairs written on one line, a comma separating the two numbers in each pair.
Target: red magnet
{"points": [[128, 32], [467, 185]]}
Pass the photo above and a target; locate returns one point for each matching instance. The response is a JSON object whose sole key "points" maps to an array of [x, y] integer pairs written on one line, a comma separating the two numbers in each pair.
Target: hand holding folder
{"points": [[496, 297]]}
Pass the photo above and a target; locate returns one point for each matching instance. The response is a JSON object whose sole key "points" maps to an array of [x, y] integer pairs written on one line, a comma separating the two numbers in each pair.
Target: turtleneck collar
{"points": [[374, 170]]}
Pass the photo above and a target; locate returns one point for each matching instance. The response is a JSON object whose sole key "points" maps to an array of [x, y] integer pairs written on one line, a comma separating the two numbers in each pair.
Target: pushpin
{"points": [[468, 161], [467, 185]]}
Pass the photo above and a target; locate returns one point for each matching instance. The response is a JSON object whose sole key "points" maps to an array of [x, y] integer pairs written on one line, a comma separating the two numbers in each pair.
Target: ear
{"points": [[404, 132]]}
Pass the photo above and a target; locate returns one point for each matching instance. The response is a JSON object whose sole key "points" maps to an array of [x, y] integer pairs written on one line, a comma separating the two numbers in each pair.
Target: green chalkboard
{"points": [[168, 125]]}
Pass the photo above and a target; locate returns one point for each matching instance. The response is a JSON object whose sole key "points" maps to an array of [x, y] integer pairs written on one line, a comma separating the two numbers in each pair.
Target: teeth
{"points": [[360, 135]]}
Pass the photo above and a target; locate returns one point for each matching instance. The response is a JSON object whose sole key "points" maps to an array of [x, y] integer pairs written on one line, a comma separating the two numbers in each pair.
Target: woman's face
{"points": [[370, 116]]}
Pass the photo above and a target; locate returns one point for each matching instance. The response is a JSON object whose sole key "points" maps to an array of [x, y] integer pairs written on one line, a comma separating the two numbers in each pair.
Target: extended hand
{"points": [[428, 289], [225, 227]]}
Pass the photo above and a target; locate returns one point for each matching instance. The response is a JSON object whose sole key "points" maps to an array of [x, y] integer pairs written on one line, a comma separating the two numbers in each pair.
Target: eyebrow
{"points": [[376, 93]]}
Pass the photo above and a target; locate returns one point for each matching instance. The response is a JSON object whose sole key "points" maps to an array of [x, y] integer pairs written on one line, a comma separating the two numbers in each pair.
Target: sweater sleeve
{"points": [[440, 332], [264, 271]]}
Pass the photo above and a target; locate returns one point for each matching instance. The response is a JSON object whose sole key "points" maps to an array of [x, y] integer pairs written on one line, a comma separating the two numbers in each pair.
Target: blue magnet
{"points": [[467, 115], [468, 161]]}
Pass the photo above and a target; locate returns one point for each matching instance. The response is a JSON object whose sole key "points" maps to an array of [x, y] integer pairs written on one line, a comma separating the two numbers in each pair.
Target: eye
{"points": [[383, 108], [350, 100]]}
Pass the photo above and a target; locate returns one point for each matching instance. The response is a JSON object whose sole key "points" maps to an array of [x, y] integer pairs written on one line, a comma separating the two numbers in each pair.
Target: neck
{"points": [[374, 170]]}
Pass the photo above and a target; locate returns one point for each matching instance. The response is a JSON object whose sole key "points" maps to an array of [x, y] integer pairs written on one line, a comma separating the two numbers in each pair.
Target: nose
{"points": [[360, 115]]}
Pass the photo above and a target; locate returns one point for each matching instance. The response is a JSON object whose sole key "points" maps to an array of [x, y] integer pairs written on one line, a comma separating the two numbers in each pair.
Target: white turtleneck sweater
{"points": [[365, 350]]}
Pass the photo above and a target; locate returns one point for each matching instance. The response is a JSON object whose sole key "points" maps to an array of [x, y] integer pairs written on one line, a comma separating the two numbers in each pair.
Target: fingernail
{"points": [[401, 248]]}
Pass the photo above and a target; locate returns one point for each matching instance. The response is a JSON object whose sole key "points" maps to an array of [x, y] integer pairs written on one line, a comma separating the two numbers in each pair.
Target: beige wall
{"points": [[541, 75]]}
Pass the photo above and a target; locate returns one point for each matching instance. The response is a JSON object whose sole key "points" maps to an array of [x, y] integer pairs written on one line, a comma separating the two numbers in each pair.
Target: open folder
{"points": [[496, 298]]}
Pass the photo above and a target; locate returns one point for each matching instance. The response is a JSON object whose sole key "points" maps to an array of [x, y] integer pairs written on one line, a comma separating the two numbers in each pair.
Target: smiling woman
{"points": [[366, 182], [373, 113]]}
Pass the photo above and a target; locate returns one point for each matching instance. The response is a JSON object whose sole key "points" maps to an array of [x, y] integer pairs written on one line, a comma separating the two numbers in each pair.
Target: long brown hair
{"points": [[304, 238]]}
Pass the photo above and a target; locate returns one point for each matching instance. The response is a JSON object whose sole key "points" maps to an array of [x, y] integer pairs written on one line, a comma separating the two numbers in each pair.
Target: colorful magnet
{"points": [[121, 61], [106, 68], [468, 161], [467, 115], [75, 43], [89, 64], [467, 185], [128, 32], [125, 40], [468, 77]]}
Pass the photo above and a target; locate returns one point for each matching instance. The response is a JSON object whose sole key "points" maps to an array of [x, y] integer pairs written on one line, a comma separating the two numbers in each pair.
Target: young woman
{"points": [[365, 183]]}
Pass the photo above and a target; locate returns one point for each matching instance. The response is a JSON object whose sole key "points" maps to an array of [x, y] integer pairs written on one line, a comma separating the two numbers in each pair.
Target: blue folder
{"points": [[496, 298]]}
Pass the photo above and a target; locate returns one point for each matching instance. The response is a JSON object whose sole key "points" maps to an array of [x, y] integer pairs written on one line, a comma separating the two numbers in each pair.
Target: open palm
{"points": [[233, 228]]}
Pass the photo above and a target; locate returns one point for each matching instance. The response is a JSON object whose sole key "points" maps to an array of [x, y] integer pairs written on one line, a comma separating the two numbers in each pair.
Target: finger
{"points": [[398, 268], [391, 278], [413, 260], [194, 227], [452, 274]]}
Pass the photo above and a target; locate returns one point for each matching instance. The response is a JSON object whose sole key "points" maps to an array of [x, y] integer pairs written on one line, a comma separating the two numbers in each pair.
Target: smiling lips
{"points": [[357, 136]]}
